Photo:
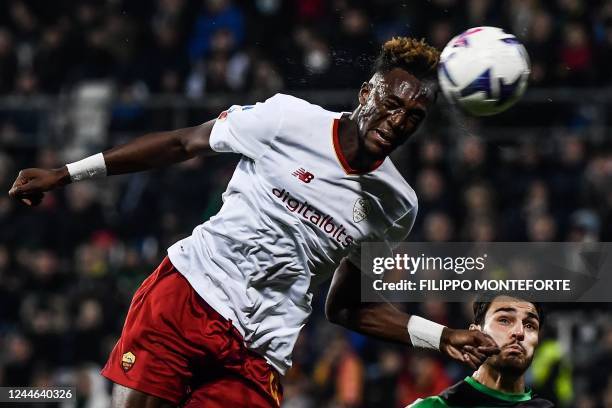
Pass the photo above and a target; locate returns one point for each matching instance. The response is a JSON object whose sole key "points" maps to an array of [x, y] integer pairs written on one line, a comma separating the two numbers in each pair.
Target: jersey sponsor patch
{"points": [[323, 221]]}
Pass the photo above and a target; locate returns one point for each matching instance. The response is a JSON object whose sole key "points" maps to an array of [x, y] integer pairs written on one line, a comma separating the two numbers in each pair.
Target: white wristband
{"points": [[424, 333], [90, 167]]}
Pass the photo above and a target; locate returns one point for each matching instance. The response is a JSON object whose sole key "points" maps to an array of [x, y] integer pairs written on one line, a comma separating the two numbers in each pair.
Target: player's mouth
{"points": [[515, 348], [384, 137]]}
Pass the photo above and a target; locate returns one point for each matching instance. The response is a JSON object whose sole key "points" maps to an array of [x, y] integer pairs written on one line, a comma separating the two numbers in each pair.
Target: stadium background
{"points": [[79, 76]]}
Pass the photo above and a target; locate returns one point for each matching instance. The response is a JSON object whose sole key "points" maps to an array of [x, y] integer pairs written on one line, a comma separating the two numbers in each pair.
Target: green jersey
{"points": [[471, 393]]}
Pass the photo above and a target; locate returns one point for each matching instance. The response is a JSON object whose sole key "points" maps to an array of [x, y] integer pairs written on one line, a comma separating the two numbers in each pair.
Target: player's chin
{"points": [[377, 150], [514, 361]]}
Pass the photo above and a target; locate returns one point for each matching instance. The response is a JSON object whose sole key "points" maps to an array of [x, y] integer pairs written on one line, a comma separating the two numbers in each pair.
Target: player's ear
{"points": [[475, 327], [364, 93]]}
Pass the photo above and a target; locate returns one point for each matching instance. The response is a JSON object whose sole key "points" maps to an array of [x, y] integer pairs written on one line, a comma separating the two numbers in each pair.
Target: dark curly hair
{"points": [[412, 55], [480, 308]]}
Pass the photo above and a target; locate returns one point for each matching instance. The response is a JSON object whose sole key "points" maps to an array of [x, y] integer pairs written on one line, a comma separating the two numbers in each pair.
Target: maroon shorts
{"points": [[176, 347]]}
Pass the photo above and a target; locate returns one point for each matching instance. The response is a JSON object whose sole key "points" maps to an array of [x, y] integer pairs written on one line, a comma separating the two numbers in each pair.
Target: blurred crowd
{"points": [[194, 47], [69, 267]]}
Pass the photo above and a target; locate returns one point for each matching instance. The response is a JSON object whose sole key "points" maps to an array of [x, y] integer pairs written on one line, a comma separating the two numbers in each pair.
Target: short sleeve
{"points": [[396, 232], [248, 129]]}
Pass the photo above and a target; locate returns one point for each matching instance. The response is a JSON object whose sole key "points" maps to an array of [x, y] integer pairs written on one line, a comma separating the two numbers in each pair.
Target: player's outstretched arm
{"points": [[385, 321], [146, 152]]}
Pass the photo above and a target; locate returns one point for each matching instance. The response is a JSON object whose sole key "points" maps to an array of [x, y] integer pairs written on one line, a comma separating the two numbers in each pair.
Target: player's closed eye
{"points": [[394, 109], [392, 104]]}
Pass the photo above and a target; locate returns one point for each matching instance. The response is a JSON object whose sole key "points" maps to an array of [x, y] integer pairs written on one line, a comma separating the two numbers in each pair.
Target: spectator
{"points": [[438, 227], [53, 59], [340, 371], [576, 56], [424, 377], [88, 329], [472, 164], [353, 49], [541, 228], [18, 360], [540, 45], [216, 15], [8, 62]]}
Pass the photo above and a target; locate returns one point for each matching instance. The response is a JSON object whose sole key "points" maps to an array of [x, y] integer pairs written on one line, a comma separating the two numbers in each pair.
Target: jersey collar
{"points": [[340, 156], [524, 396]]}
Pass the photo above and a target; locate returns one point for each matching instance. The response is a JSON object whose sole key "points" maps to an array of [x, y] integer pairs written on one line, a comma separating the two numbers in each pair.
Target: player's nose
{"points": [[398, 122], [397, 118], [518, 332]]}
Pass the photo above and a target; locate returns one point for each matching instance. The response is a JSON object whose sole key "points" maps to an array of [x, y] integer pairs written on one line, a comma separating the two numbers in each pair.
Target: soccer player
{"points": [[216, 323], [500, 381]]}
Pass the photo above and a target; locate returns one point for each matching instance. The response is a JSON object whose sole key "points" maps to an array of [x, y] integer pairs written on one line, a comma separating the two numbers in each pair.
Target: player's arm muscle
{"points": [[385, 321], [143, 153], [344, 307], [159, 149]]}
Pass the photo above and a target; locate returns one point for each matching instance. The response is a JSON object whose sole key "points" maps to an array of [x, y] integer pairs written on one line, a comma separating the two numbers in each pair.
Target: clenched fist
{"points": [[468, 346], [31, 184]]}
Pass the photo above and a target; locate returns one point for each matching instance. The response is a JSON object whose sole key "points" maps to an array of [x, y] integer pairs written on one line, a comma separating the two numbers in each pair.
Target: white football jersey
{"points": [[292, 210]]}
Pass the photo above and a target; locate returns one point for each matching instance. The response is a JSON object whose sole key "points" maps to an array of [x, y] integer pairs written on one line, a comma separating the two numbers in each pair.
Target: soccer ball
{"points": [[484, 70]]}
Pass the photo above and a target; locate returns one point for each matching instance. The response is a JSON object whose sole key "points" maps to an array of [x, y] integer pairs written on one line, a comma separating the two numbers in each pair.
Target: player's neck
{"points": [[351, 146], [504, 382]]}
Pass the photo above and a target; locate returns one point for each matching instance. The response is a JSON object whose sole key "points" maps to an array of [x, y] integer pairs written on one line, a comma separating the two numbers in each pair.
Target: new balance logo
{"points": [[303, 175]]}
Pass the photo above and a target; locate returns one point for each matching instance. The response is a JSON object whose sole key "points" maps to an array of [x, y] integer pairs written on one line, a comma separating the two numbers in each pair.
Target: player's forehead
{"points": [[512, 306], [402, 84]]}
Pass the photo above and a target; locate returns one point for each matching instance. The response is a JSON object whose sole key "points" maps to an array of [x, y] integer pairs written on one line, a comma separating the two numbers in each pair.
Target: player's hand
{"points": [[471, 347], [31, 184]]}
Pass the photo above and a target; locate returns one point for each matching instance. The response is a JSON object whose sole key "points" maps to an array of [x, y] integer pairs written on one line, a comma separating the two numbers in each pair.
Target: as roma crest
{"points": [[361, 209], [128, 360]]}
